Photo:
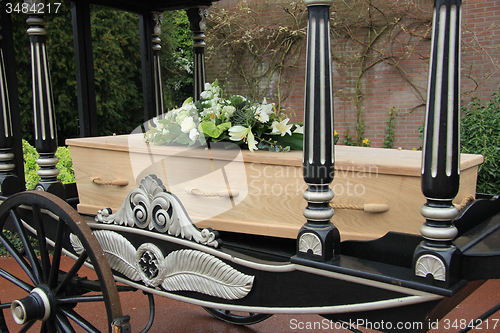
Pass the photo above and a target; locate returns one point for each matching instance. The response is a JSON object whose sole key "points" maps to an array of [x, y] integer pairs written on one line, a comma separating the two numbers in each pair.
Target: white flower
{"points": [[207, 94], [281, 127], [187, 125], [175, 111], [193, 134], [189, 107], [299, 129], [159, 126], [263, 111], [239, 132], [208, 86], [181, 116], [213, 112], [252, 144], [228, 110]]}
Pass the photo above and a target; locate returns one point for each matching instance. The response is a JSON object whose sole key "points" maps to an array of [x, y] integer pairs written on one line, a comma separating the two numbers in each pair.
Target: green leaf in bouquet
{"points": [[259, 131], [187, 101], [213, 130], [222, 137], [295, 141], [184, 139], [210, 129], [238, 101], [224, 126], [159, 141]]}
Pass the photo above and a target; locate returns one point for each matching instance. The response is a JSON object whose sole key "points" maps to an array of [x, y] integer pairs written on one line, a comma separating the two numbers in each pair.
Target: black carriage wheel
{"points": [[236, 318], [52, 296]]}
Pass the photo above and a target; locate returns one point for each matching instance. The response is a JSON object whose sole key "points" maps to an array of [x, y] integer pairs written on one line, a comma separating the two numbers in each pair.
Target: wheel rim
{"points": [[52, 298], [238, 318]]}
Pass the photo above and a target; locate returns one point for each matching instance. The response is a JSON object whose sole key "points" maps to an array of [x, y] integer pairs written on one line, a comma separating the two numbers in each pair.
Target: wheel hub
{"points": [[35, 306]]}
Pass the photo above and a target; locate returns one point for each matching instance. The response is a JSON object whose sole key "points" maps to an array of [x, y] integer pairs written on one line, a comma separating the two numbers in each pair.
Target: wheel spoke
{"points": [[27, 326], [82, 322], [237, 318], [45, 216], [63, 324], [56, 258], [72, 272], [42, 242], [18, 257], [43, 327], [15, 280], [81, 299], [27, 244], [3, 325], [51, 327]]}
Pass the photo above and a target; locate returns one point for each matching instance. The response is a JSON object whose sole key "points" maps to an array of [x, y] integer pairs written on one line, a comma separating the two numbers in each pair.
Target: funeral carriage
{"points": [[234, 231]]}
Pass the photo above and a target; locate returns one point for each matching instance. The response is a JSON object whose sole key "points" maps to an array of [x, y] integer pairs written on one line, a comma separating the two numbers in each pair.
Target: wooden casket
{"points": [[261, 192]]}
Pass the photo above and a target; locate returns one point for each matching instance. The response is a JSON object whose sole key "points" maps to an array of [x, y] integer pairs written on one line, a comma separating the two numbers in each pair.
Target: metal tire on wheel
{"points": [[237, 318], [52, 297]]}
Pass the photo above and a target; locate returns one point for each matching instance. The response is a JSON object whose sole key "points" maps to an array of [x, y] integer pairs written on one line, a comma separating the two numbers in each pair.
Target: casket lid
{"points": [[347, 158]]}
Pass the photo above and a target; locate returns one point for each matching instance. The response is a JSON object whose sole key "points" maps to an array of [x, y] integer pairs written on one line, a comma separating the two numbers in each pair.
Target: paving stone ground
{"points": [[178, 317]]}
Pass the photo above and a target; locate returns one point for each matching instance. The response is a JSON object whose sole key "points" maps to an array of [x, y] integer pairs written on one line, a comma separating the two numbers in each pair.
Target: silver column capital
{"points": [[318, 2]]}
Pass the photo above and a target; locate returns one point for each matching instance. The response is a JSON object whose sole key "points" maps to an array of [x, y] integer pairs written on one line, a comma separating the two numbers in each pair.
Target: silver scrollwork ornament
{"points": [[204, 15], [158, 18]]}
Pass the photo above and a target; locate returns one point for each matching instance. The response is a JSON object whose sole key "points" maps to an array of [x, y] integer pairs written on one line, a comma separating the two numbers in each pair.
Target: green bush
{"points": [[65, 165], [480, 134]]}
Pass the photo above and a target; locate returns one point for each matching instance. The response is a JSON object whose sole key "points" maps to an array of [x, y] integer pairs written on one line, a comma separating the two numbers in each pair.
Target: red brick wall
{"points": [[384, 87]]}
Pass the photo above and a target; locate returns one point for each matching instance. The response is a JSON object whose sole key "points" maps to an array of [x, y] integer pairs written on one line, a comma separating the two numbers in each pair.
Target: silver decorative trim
{"points": [[151, 277], [309, 241], [429, 80], [203, 12], [198, 271], [318, 2], [439, 234], [438, 87], [5, 157], [182, 270], [4, 91], [430, 264], [276, 268], [439, 213], [150, 207], [119, 252], [158, 18], [318, 196], [349, 308], [318, 215], [322, 95], [312, 89]]}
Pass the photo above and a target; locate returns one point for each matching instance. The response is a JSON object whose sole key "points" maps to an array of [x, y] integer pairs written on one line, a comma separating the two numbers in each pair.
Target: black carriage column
{"points": [[318, 239], [43, 106], [158, 89], [9, 182], [437, 254], [150, 24], [197, 18]]}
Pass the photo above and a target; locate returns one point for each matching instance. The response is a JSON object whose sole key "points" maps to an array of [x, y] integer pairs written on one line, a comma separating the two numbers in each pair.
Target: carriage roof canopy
{"points": [[150, 5]]}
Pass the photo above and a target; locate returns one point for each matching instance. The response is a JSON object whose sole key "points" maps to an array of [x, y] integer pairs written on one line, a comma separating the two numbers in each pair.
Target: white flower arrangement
{"points": [[215, 118]]}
